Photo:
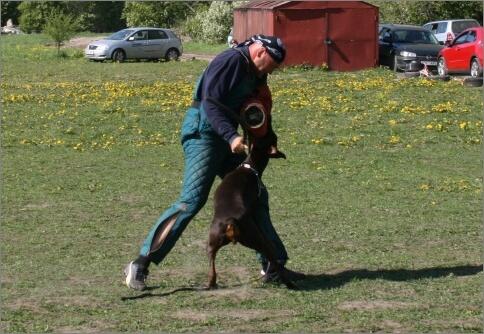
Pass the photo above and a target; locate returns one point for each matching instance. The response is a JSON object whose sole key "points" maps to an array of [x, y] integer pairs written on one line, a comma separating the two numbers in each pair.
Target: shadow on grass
{"points": [[326, 282], [323, 281]]}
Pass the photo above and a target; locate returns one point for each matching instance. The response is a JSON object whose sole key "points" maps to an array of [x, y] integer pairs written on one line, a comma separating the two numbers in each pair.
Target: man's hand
{"points": [[238, 145]]}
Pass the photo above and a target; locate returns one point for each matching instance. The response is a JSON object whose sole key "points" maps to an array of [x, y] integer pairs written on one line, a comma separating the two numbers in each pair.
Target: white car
{"points": [[446, 30], [136, 43]]}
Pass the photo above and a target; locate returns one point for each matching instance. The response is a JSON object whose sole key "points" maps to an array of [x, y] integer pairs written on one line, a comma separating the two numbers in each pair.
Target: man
{"points": [[213, 147]]}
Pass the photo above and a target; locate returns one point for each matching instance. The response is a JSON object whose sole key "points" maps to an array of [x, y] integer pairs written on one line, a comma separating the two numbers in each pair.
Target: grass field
{"points": [[379, 201]]}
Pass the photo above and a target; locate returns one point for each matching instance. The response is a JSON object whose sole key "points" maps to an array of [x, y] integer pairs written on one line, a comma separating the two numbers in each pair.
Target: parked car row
{"points": [[404, 48], [136, 43], [410, 48]]}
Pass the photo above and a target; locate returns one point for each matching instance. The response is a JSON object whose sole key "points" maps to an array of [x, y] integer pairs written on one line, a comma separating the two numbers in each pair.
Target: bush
{"points": [[61, 27], [212, 25]]}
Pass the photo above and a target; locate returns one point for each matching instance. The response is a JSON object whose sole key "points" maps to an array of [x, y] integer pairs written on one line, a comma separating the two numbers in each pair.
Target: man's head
{"points": [[266, 52]]}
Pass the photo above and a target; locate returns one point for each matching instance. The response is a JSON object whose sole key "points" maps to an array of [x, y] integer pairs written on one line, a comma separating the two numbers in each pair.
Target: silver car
{"points": [[446, 30], [136, 43]]}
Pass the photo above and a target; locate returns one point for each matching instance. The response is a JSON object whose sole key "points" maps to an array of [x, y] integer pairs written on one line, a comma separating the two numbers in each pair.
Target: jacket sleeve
{"points": [[222, 76]]}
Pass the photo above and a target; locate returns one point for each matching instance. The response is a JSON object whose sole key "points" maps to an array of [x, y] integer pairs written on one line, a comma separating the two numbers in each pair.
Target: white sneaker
{"points": [[135, 276]]}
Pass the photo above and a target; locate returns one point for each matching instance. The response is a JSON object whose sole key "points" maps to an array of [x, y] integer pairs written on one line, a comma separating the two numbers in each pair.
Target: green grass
{"points": [[379, 201]]}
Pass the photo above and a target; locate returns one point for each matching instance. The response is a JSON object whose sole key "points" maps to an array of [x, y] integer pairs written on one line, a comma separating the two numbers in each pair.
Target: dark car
{"points": [[463, 54], [407, 48]]}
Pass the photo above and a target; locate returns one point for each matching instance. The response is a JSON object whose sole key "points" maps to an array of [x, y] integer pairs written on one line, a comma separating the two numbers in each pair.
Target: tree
{"points": [[106, 16], [33, 14], [216, 22], [212, 24], [165, 14], [420, 12], [97, 16], [60, 26]]}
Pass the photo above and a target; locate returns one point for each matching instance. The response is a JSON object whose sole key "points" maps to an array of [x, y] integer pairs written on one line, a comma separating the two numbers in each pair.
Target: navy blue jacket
{"points": [[230, 78]]}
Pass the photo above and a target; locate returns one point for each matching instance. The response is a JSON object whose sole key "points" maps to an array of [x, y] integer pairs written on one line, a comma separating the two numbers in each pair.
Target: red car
{"points": [[463, 54]]}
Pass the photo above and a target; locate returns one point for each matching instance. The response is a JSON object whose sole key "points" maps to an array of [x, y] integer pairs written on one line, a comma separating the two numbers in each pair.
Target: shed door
{"points": [[350, 37], [346, 39]]}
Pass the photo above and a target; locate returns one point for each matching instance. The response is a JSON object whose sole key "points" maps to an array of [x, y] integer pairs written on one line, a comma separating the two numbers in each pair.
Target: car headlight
{"points": [[407, 54], [103, 47]]}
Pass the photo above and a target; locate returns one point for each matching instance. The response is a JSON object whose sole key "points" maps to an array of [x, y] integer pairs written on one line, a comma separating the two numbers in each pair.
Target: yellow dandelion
{"points": [[394, 139]]}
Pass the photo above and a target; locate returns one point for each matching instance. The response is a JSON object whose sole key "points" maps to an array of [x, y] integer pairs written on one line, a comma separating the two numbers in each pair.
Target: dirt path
{"points": [[82, 42]]}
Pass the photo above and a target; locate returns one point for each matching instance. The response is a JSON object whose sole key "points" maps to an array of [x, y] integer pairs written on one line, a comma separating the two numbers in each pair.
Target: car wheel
{"points": [[442, 67], [118, 56], [476, 69], [172, 54]]}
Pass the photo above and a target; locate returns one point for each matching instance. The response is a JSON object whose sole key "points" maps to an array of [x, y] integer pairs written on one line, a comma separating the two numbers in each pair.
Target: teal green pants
{"points": [[206, 157]]}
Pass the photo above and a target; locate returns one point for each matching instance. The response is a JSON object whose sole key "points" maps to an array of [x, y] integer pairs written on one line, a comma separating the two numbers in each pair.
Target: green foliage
{"points": [[211, 25], [216, 22], [97, 16], [166, 14], [420, 12], [60, 26], [33, 14]]}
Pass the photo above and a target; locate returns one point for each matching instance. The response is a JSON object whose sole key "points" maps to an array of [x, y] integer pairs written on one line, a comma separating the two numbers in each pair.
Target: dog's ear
{"points": [[274, 153]]}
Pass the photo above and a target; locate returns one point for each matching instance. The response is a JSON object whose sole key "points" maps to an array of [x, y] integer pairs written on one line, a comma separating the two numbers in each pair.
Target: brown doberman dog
{"points": [[235, 205]]}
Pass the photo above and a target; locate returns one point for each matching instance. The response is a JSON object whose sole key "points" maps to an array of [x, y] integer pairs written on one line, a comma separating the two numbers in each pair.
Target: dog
{"points": [[235, 205]]}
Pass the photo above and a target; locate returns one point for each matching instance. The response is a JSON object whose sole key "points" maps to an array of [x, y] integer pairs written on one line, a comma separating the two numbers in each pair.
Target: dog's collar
{"points": [[259, 183]]}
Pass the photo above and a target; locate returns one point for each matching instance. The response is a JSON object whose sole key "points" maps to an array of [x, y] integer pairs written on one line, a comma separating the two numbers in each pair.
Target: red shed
{"points": [[341, 34]]}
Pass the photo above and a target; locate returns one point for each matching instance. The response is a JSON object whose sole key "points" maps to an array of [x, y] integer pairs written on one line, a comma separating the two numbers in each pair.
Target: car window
{"points": [[432, 27], [471, 36], [460, 26], [120, 35], [461, 39], [382, 32], [426, 38], [157, 34], [140, 35], [399, 36], [441, 27]]}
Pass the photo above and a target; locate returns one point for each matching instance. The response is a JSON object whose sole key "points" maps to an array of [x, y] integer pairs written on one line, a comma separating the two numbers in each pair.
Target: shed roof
{"points": [[257, 4], [262, 4]]}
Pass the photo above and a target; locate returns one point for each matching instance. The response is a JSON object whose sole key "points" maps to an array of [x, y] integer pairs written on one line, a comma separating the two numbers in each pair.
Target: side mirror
{"points": [[387, 39], [447, 43], [131, 38]]}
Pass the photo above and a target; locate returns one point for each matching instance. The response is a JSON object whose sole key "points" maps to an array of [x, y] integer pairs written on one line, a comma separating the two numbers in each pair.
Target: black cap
{"points": [[272, 44]]}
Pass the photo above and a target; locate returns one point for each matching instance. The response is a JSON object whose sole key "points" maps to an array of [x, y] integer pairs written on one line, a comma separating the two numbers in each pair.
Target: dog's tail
{"points": [[232, 231]]}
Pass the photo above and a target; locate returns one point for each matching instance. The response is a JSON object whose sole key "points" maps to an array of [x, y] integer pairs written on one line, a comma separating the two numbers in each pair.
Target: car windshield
{"points": [[120, 35], [415, 36]]}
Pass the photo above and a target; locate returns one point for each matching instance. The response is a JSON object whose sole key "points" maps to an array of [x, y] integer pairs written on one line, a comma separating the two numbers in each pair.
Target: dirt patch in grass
{"points": [[377, 304], [81, 42], [245, 315]]}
